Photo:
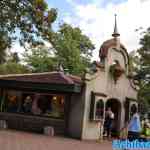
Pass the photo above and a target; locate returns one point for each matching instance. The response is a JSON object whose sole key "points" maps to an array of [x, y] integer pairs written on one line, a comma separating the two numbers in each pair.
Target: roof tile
{"points": [[48, 77]]}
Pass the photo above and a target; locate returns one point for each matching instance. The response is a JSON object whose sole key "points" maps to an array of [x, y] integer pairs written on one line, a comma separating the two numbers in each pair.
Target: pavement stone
{"points": [[15, 140]]}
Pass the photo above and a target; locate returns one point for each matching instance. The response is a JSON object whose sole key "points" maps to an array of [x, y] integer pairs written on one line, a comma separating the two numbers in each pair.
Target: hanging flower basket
{"points": [[116, 71]]}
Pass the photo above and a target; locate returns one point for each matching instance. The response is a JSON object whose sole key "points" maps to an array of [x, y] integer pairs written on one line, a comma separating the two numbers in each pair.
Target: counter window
{"points": [[50, 105]]}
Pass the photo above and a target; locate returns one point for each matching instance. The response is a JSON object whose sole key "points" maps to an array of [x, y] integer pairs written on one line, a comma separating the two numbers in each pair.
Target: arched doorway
{"points": [[115, 106]]}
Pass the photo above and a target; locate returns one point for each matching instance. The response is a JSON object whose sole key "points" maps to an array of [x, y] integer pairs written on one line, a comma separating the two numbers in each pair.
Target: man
{"points": [[109, 117]]}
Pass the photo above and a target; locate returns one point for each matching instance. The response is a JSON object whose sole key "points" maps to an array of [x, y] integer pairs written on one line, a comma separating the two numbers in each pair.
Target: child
{"points": [[124, 132], [146, 128]]}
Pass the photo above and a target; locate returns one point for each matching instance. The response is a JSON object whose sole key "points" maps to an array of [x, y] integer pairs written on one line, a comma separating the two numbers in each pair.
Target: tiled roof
{"points": [[48, 77]]}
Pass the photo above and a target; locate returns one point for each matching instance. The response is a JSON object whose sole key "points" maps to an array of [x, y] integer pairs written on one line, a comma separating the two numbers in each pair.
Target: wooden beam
{"points": [[20, 85]]}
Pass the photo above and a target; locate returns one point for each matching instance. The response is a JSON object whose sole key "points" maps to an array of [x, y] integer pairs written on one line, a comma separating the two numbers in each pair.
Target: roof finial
{"points": [[115, 34]]}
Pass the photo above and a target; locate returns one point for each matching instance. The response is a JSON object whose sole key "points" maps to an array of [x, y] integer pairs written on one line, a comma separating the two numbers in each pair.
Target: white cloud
{"points": [[20, 49], [144, 0], [98, 22], [17, 48]]}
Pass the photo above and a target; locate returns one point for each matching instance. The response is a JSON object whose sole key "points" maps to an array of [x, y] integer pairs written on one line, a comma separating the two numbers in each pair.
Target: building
{"points": [[110, 85], [72, 106], [32, 101]]}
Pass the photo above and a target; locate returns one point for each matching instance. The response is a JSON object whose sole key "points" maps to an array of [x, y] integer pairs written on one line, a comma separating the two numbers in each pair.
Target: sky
{"points": [[96, 19]]}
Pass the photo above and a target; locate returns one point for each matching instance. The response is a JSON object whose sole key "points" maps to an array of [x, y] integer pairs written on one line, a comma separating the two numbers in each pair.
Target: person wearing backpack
{"points": [[109, 121]]}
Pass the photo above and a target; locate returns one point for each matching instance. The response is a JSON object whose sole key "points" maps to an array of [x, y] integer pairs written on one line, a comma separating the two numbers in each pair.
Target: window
{"points": [[12, 103], [50, 105], [99, 109], [27, 102], [97, 106]]}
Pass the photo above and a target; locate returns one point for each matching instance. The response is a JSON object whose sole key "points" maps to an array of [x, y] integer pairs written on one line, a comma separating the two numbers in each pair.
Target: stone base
{"points": [[3, 124], [48, 130]]}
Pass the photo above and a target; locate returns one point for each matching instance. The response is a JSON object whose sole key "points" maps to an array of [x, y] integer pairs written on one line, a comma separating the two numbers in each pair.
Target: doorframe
{"points": [[119, 111]]}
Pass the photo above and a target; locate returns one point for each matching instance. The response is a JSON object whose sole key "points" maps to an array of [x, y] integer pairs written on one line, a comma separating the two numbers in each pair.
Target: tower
{"points": [[116, 33]]}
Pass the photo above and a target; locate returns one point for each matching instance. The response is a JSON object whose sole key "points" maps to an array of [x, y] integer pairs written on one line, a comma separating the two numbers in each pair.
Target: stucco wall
{"points": [[76, 115], [103, 83]]}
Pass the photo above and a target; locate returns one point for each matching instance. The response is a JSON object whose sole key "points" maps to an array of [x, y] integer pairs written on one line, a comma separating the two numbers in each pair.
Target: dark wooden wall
{"points": [[32, 123]]}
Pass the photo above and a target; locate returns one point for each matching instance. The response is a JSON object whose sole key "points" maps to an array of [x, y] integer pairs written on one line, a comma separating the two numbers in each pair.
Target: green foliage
{"points": [[134, 62], [25, 20], [143, 70], [144, 53], [13, 65], [70, 48], [73, 49], [13, 68], [14, 57], [40, 59], [144, 98], [4, 43], [30, 23]]}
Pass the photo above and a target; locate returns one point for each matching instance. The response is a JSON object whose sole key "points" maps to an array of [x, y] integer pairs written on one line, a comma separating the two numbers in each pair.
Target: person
{"points": [[108, 122], [134, 127], [12, 104], [146, 128], [35, 109], [124, 132], [27, 104]]}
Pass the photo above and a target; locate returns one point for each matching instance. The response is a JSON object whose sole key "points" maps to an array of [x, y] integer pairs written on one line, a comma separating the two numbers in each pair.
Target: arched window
{"points": [[99, 111]]}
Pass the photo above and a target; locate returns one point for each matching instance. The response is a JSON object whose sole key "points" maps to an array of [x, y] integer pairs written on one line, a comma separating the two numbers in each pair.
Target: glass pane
{"points": [[50, 105], [99, 109]]}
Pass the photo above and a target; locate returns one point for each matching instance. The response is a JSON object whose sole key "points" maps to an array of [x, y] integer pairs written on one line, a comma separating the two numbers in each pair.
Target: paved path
{"points": [[14, 140]]}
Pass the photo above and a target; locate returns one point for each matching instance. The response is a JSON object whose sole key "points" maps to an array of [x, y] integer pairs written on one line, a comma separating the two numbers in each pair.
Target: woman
{"points": [[134, 127]]}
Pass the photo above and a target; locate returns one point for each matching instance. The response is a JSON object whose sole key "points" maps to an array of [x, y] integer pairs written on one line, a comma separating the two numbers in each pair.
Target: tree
{"points": [[25, 20], [14, 57], [134, 62], [13, 68], [143, 70], [13, 65], [73, 49], [40, 59], [3, 45]]}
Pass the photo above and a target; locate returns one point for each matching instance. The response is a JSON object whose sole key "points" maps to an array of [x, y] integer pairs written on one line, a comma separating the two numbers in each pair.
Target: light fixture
{"points": [[54, 97]]}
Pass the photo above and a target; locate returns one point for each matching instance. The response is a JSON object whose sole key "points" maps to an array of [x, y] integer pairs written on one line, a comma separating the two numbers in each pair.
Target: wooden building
{"points": [[33, 101]]}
